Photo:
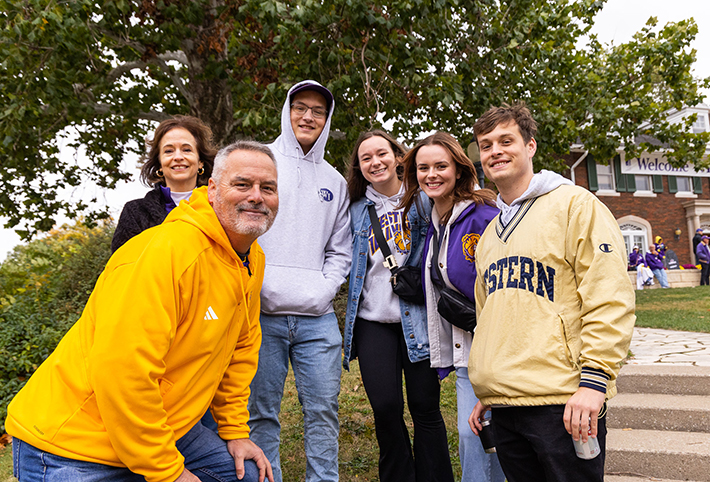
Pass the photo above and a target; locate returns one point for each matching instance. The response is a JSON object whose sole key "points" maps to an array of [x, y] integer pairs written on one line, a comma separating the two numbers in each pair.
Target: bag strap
{"points": [[435, 258], [390, 263]]}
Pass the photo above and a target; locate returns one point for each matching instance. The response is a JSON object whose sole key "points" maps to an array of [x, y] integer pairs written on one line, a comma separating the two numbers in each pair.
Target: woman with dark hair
{"points": [[439, 167], [180, 158], [385, 332]]}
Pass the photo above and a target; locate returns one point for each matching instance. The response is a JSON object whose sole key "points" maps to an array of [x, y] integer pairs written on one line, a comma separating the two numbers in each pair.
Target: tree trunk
{"points": [[212, 96]]}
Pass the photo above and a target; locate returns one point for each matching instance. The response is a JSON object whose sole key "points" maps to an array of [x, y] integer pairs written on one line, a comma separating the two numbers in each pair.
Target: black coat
{"points": [[139, 215]]}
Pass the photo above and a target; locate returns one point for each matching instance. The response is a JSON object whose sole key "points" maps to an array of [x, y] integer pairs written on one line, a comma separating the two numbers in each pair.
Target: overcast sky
{"points": [[617, 23]]}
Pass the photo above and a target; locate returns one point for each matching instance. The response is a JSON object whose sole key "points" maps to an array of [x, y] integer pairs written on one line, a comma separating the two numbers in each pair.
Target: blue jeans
{"points": [[533, 445], [661, 276], [476, 464], [313, 345], [205, 455]]}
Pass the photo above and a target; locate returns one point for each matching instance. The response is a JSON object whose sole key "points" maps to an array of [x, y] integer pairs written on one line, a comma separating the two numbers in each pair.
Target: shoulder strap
{"points": [[435, 255], [390, 263]]}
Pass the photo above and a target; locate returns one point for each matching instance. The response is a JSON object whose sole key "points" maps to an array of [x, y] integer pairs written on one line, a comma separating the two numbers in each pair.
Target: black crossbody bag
{"points": [[406, 281], [453, 306]]}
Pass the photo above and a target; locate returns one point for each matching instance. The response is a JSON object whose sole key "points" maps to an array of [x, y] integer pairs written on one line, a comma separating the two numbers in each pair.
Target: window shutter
{"points": [[657, 183], [698, 185], [620, 178], [672, 185], [592, 173], [630, 183]]}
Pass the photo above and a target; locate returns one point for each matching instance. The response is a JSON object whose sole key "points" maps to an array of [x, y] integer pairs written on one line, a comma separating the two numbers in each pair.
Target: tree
{"points": [[106, 71], [44, 286]]}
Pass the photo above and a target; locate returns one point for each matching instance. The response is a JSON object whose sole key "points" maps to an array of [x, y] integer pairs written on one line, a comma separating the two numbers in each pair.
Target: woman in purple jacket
{"points": [[439, 166]]}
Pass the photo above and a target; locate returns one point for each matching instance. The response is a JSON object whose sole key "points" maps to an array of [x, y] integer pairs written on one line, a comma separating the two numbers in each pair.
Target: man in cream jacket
{"points": [[555, 310]]}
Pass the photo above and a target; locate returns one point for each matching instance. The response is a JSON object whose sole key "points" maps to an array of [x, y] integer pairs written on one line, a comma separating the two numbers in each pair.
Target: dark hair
{"points": [[241, 145], [357, 184], [465, 186], [205, 148], [504, 114]]}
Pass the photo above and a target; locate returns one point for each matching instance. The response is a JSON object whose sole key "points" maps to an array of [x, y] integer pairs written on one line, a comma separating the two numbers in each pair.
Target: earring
{"points": [[159, 173], [200, 171]]}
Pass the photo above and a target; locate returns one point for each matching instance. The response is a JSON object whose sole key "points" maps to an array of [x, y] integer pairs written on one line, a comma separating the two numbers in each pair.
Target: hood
{"points": [[199, 213], [287, 144], [381, 200], [541, 183]]}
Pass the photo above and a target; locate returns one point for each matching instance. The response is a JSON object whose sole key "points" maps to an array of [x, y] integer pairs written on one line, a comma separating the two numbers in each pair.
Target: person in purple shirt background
{"points": [[654, 260], [696, 241], [439, 167], [703, 254], [635, 258]]}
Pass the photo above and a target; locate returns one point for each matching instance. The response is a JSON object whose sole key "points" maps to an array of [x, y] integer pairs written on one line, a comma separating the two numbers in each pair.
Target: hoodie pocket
{"points": [[564, 333]]}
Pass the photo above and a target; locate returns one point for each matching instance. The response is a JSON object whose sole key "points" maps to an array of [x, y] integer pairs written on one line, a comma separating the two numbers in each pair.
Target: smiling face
{"points": [[378, 165], [246, 198], [179, 160], [436, 175], [507, 160], [305, 126]]}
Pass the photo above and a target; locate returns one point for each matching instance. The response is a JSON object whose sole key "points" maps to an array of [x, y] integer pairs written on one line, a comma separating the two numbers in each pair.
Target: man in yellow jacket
{"points": [[171, 328], [555, 311]]}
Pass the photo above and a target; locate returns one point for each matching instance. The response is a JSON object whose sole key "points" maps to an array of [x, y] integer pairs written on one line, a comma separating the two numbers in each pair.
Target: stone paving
{"points": [[650, 346]]}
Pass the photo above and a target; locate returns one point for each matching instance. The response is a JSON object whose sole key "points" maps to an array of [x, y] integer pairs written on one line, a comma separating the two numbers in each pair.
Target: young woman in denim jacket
{"points": [[439, 167], [387, 334]]}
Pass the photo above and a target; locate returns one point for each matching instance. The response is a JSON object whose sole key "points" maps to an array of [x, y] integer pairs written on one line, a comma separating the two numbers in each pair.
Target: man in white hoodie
{"points": [[555, 311], [307, 259]]}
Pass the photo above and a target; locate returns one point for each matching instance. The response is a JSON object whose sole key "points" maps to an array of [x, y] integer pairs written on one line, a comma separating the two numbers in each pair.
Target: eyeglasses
{"points": [[301, 109]]}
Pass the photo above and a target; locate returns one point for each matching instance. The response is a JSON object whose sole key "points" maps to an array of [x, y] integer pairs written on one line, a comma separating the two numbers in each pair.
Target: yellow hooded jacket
{"points": [[172, 324]]}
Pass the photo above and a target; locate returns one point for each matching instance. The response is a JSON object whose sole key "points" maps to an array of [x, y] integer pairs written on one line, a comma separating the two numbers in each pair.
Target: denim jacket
{"points": [[414, 322]]}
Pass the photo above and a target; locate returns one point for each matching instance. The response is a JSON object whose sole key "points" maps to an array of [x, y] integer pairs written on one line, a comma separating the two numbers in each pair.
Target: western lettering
{"points": [[512, 282], [526, 275]]}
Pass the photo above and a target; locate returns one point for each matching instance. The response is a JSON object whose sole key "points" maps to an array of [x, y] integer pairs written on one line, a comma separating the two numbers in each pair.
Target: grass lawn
{"points": [[685, 309], [358, 445]]}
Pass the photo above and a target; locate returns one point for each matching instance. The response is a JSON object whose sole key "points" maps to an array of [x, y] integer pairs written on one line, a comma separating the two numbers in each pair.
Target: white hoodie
{"points": [[541, 183], [308, 247]]}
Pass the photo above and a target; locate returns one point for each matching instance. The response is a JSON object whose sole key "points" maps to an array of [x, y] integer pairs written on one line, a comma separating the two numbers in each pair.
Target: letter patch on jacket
{"points": [[520, 272], [391, 224]]}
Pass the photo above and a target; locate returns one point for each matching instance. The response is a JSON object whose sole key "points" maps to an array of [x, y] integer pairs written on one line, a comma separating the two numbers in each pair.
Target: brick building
{"points": [[648, 197]]}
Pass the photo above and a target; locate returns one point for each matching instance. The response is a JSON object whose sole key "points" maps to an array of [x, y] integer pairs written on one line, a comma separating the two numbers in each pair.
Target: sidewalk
{"points": [[650, 346]]}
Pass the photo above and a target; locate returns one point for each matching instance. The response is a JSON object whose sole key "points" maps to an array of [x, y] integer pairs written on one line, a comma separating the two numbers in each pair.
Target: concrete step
{"points": [[628, 478], [648, 453], [664, 379], [686, 413]]}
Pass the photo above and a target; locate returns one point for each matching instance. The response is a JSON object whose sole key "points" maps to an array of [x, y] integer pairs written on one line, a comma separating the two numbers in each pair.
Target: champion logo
{"points": [[210, 314]]}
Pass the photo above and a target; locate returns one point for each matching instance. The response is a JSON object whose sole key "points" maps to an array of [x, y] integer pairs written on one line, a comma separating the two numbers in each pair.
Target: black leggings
{"points": [[383, 356]]}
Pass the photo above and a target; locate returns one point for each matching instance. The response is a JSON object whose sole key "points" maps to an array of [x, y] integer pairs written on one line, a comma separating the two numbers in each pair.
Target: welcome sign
{"points": [[656, 164]]}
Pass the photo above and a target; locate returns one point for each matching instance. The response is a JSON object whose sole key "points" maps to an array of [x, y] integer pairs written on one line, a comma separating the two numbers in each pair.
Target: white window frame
{"points": [[644, 193], [633, 234], [688, 193], [700, 124], [607, 192]]}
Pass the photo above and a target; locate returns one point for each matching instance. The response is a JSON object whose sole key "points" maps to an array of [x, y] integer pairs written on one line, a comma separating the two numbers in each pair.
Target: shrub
{"points": [[44, 286]]}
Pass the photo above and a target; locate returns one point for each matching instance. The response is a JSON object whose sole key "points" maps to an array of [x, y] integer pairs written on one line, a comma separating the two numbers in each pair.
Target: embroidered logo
{"points": [[468, 244], [210, 314], [605, 248], [326, 194]]}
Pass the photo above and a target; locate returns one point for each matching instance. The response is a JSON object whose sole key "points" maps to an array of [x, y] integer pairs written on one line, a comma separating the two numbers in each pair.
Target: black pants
{"points": [[533, 446], [383, 356], [704, 272]]}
